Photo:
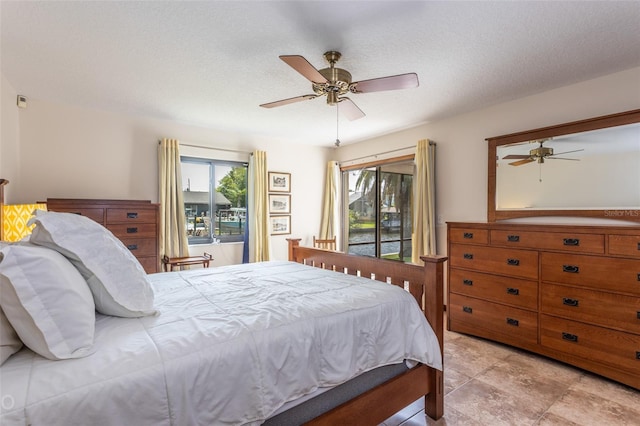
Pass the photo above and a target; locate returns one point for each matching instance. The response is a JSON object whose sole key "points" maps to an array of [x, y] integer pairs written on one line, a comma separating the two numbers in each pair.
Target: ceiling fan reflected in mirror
{"points": [[539, 155], [335, 83]]}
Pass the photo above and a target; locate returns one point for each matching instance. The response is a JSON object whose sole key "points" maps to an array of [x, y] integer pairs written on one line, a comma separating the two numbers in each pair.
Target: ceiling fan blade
{"points": [[560, 158], [303, 66], [515, 157], [288, 101], [521, 162], [395, 82], [350, 109], [566, 152]]}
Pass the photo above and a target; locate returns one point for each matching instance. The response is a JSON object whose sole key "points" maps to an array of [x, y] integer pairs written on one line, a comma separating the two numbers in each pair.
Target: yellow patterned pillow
{"points": [[14, 220]]}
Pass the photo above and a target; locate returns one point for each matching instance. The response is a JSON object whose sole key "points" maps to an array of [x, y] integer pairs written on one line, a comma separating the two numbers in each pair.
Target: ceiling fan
{"points": [[334, 83], [539, 154]]}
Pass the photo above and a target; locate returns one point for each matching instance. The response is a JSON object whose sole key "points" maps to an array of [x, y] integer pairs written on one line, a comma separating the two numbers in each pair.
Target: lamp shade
{"points": [[14, 220]]}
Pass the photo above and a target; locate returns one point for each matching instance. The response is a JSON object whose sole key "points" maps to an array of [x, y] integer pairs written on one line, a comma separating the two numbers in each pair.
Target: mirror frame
{"points": [[603, 122]]}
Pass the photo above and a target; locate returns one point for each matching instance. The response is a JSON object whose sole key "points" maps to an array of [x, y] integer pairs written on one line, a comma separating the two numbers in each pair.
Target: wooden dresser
{"points": [[135, 223], [568, 292]]}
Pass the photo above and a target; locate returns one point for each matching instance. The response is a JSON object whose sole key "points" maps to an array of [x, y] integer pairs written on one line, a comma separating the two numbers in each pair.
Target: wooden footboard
{"points": [[425, 283]]}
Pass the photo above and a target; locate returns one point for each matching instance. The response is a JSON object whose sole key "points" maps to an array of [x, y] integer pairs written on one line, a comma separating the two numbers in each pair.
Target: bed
{"points": [[242, 344]]}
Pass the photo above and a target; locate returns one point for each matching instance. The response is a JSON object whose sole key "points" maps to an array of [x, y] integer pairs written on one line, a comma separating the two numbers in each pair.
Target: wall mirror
{"points": [[588, 168]]}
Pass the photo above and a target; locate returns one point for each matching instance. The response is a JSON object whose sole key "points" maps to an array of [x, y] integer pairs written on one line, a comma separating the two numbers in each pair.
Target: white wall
{"points": [[79, 152], [461, 153], [73, 152], [9, 135]]}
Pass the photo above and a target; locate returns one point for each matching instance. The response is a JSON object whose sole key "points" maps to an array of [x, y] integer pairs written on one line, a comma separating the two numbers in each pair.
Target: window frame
{"points": [[377, 165], [211, 238]]}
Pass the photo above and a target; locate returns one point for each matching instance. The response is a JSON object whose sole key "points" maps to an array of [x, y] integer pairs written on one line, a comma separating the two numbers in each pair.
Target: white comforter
{"points": [[230, 346]]}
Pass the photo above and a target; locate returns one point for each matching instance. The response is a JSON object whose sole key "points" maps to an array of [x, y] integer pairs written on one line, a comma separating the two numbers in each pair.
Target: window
{"points": [[378, 211], [215, 199]]}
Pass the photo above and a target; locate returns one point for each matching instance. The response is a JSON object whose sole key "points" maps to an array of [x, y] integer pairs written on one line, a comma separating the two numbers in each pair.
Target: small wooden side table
{"points": [[171, 262]]}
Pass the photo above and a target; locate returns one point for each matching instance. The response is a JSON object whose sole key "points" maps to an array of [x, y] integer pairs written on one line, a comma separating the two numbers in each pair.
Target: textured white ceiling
{"points": [[212, 63]]}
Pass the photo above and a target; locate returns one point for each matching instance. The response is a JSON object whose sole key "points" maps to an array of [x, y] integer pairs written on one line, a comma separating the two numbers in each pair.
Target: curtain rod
{"points": [[211, 147], [431, 143]]}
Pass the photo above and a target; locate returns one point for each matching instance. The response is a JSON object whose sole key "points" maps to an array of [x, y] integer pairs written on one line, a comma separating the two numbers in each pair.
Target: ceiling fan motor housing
{"points": [[339, 81]]}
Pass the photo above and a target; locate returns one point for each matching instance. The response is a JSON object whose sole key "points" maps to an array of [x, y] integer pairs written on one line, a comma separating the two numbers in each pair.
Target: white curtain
{"points": [[259, 241], [173, 233], [329, 227], [423, 240]]}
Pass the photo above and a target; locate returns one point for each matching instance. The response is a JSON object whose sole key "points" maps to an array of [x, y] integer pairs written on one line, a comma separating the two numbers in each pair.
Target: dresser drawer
{"points": [[469, 236], [132, 230], [625, 245], [496, 288], [605, 309], [95, 214], [571, 242], [516, 263], [603, 273], [606, 346], [132, 215], [141, 246], [511, 325], [149, 263]]}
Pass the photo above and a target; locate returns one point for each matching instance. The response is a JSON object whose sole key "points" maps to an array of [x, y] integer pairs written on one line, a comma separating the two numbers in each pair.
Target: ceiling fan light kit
{"points": [[334, 83]]}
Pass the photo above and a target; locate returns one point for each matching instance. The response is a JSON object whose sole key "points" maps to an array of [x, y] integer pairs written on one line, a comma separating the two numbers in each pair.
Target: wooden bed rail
{"points": [[425, 283]]}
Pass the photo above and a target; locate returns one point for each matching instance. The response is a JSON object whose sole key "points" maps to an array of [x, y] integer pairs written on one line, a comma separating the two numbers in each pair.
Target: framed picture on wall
{"points": [[279, 203], [279, 182], [280, 225]]}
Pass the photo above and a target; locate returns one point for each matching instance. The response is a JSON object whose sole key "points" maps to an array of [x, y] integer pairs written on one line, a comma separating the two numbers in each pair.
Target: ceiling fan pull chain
{"points": [[337, 125]]}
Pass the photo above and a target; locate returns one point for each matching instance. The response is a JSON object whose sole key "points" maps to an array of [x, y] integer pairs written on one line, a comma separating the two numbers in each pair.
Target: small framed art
{"points": [[279, 182], [280, 225], [279, 203]]}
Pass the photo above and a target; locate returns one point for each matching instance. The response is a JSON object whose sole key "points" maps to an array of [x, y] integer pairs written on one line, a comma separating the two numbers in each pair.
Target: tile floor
{"points": [[487, 383]]}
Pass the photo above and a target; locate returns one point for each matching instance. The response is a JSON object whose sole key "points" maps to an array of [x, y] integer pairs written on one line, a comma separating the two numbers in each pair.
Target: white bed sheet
{"points": [[230, 346]]}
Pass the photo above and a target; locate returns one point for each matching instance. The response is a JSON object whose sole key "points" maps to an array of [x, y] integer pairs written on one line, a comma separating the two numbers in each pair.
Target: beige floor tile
{"points": [[550, 419], [470, 356], [610, 390], [584, 408], [453, 379], [490, 405], [532, 380], [453, 417]]}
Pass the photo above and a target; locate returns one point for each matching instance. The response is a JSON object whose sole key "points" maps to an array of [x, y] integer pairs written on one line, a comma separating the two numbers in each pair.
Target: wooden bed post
{"points": [[434, 300], [293, 243]]}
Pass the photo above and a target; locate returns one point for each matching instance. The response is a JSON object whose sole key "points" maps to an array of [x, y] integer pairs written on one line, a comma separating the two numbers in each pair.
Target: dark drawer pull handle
{"points": [[513, 238], [513, 291], [638, 246], [132, 215], [468, 235], [467, 309], [470, 282], [570, 302], [132, 230], [638, 277], [637, 354], [513, 262], [132, 246], [569, 337], [572, 269], [513, 322], [638, 314], [468, 256], [571, 241]]}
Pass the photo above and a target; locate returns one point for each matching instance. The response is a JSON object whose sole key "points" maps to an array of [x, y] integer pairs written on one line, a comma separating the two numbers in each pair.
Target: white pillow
{"points": [[10, 343], [47, 302], [117, 280]]}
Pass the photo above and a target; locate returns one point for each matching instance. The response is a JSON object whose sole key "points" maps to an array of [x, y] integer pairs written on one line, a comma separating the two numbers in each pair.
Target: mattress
{"points": [[230, 345]]}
